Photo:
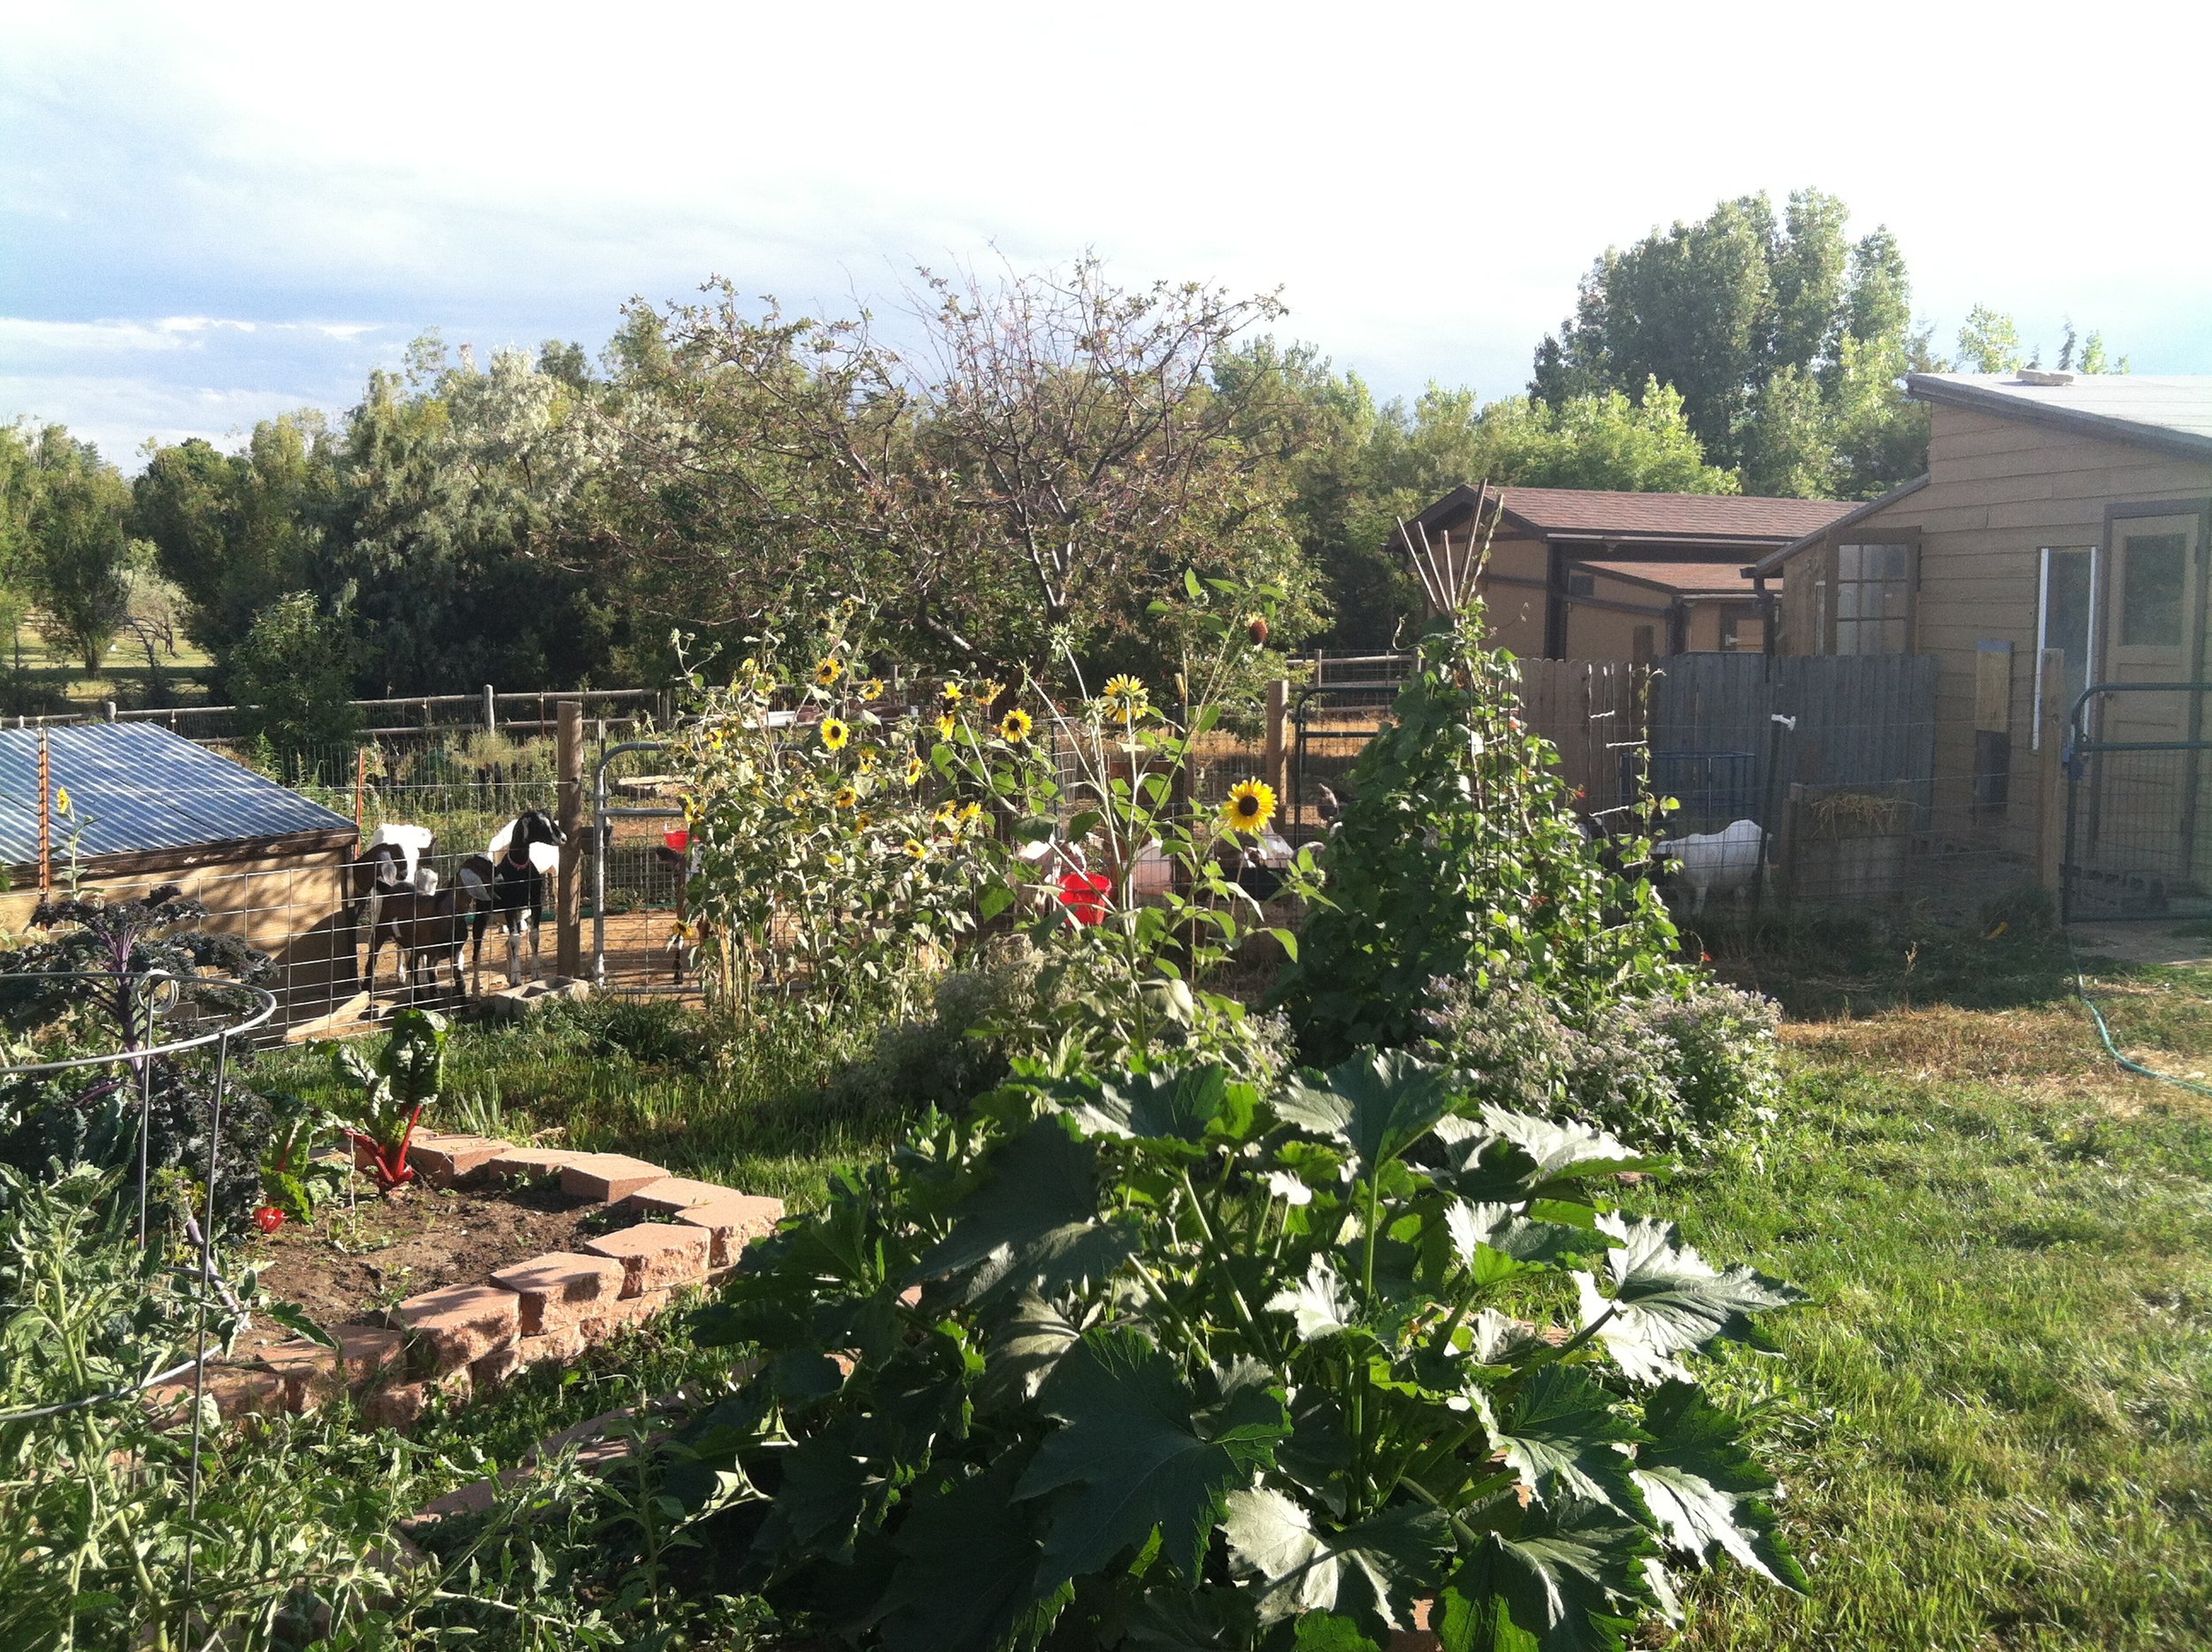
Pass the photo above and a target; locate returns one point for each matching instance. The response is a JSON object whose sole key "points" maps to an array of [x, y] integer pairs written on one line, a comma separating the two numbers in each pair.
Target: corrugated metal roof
{"points": [[137, 788]]}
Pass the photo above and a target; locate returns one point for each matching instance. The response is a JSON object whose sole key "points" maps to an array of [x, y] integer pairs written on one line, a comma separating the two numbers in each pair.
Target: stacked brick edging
{"points": [[456, 1339]]}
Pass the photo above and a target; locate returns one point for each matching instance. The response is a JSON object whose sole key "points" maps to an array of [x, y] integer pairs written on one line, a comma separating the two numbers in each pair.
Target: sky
{"points": [[210, 214]]}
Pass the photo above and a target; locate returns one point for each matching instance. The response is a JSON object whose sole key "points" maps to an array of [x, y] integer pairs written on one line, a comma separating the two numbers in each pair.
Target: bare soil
{"points": [[350, 1266]]}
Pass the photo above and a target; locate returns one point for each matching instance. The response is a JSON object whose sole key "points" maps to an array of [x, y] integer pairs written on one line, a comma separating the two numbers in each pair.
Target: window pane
{"points": [[1895, 568], [2066, 617], [1847, 562], [2150, 606], [1870, 600], [1846, 602]]}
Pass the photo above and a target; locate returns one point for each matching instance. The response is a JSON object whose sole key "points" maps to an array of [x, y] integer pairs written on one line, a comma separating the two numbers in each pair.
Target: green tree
{"points": [[80, 551], [234, 532], [293, 673], [1355, 470], [1759, 324], [1989, 342]]}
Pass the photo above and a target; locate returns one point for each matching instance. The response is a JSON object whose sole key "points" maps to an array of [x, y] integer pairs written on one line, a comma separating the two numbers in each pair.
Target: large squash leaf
{"points": [[1033, 1225], [1378, 1104], [1562, 1583], [1707, 1489], [1140, 1455], [1372, 1570], [1667, 1300]]}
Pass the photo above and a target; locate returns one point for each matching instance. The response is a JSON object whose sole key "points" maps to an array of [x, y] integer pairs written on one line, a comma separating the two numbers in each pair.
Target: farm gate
{"points": [[2139, 809]]}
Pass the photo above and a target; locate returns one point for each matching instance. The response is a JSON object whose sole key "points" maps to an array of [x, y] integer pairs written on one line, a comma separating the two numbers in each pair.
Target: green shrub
{"points": [[1661, 1072], [1460, 856], [1161, 1361], [960, 1051]]}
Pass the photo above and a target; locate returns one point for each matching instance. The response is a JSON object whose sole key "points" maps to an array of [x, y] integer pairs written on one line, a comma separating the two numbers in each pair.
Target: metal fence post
{"points": [[2050, 826], [1271, 763], [569, 752], [491, 710]]}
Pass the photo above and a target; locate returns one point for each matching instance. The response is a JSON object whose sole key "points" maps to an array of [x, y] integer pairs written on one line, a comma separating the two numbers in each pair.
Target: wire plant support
{"points": [[154, 999]]}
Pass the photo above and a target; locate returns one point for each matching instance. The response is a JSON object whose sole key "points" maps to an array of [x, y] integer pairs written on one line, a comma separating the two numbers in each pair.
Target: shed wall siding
{"points": [[1999, 491]]}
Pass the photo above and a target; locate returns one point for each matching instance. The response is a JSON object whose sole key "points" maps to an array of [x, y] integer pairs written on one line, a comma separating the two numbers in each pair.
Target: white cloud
{"points": [[119, 413]]}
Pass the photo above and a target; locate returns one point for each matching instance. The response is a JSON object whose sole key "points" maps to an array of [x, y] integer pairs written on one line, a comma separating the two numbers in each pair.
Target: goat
{"points": [[508, 882], [393, 866], [1727, 860]]}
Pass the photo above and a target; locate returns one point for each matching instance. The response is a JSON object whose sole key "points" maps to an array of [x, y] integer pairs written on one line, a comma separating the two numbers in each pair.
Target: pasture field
{"points": [[1992, 1417]]}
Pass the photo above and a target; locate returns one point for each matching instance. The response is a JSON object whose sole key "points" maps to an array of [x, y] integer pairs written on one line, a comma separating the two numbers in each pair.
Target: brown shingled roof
{"points": [[1580, 511], [1681, 577]]}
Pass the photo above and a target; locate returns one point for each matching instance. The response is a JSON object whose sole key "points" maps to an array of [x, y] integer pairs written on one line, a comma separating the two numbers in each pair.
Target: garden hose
{"points": [[2104, 1032]]}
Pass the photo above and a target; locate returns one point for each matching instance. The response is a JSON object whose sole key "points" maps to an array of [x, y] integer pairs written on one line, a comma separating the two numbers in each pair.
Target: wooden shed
{"points": [[2061, 512], [146, 808], [1581, 573]]}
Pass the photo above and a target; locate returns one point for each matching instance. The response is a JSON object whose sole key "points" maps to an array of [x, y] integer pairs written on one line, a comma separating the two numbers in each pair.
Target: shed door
{"points": [[2154, 615], [2152, 626]]}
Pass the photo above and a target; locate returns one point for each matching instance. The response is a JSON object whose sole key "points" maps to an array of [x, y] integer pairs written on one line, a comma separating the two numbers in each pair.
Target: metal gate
{"points": [[637, 879], [2138, 809]]}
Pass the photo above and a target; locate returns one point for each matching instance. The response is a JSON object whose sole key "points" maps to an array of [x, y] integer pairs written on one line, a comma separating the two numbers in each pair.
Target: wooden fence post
{"points": [[569, 799], [491, 709], [45, 816], [2050, 802], [1277, 708]]}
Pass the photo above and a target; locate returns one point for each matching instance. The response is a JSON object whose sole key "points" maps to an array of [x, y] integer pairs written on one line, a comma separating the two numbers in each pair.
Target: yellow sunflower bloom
{"points": [[1013, 728], [969, 813], [914, 767], [61, 800], [846, 797], [834, 733], [1126, 698], [863, 821], [872, 689], [946, 726], [868, 757], [827, 671], [950, 694], [915, 849], [1251, 805]]}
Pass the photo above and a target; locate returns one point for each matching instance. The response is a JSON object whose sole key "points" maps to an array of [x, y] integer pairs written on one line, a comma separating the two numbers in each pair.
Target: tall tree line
{"points": [[1020, 469]]}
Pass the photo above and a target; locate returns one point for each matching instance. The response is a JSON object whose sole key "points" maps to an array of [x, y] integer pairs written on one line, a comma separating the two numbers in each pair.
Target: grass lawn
{"points": [[52, 679], [1992, 1419]]}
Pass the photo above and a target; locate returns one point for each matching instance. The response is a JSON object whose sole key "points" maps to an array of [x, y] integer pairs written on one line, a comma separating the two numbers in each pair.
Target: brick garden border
{"points": [[462, 1337]]}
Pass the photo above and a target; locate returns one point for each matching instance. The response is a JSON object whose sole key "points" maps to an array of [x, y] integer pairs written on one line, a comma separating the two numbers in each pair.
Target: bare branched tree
{"points": [[1045, 455]]}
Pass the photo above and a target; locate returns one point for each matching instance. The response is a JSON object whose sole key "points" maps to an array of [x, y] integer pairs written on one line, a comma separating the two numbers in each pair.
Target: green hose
{"points": [[2081, 989]]}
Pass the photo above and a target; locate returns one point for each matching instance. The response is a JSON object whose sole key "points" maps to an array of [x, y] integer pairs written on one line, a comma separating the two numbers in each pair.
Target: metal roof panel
{"points": [[134, 787]]}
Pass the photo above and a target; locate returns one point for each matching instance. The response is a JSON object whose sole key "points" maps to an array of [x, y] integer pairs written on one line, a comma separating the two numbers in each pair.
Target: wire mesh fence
{"points": [[2139, 805]]}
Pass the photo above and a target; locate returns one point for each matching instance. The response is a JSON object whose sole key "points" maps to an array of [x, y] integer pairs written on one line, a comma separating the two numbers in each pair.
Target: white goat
{"points": [[1727, 860]]}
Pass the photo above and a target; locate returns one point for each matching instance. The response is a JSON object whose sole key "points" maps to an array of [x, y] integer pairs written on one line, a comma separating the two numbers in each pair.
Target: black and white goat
{"points": [[392, 877], [507, 882]]}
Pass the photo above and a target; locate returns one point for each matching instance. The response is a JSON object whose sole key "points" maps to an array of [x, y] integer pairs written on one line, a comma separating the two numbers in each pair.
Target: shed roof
{"points": [[1775, 559], [136, 788], [1683, 578], [1606, 517], [2173, 413]]}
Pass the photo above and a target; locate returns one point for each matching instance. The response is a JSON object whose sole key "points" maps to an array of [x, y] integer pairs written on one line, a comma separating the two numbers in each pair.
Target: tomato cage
{"points": [[161, 1017]]}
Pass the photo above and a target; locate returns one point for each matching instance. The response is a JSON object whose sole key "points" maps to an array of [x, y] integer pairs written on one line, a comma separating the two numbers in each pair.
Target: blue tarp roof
{"points": [[136, 788]]}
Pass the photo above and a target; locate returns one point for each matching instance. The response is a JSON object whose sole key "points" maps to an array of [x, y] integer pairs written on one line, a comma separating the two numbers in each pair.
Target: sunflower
{"points": [[945, 819], [827, 671], [872, 689], [914, 767], [1013, 728], [915, 849], [945, 725], [834, 733], [1126, 698], [1251, 805], [969, 813], [869, 756], [61, 800], [950, 694], [846, 797], [863, 821]]}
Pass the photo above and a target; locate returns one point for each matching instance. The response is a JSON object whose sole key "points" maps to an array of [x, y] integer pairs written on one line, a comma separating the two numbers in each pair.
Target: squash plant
{"points": [[1159, 1361]]}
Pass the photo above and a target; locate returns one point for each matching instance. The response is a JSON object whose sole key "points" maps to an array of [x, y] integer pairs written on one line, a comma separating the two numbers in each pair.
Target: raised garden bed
{"points": [[498, 1258]]}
